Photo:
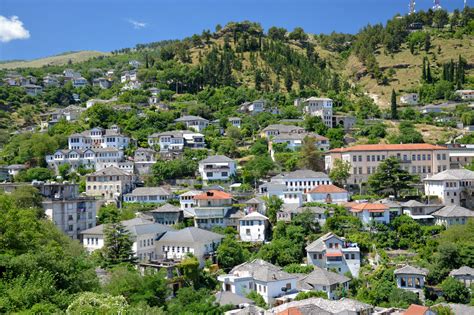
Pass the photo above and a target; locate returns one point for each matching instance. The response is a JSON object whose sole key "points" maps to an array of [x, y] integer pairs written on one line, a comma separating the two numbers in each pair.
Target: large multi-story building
{"points": [[333, 252], [69, 211], [212, 208], [418, 158], [320, 107], [217, 167], [452, 187], [110, 183], [176, 141], [98, 138]]}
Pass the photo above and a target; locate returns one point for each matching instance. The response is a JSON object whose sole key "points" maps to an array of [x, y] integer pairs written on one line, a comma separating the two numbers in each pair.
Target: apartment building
{"points": [[320, 107], [419, 158]]}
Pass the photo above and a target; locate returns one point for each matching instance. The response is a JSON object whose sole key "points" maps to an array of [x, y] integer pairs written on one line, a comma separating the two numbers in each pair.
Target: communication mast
{"points": [[437, 5], [411, 6], [465, 3]]}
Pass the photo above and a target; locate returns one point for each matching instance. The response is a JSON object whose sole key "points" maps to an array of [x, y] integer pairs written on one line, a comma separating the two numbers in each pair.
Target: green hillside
{"points": [[58, 60]]}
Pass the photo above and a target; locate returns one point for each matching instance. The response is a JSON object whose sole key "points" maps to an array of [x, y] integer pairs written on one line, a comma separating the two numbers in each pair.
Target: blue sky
{"points": [[47, 27]]}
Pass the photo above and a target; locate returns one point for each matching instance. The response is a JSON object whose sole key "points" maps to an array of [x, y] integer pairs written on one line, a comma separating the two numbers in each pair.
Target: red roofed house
{"points": [[369, 212], [212, 208], [418, 310], [327, 194], [422, 159]]}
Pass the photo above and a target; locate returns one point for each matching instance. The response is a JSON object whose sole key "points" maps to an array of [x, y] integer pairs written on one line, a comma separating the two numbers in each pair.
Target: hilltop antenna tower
{"points": [[411, 6], [437, 5], [465, 4]]}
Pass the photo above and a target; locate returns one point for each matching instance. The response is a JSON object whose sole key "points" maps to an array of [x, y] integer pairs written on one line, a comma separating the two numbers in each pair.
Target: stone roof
{"points": [[321, 276], [302, 174], [254, 216], [298, 136], [136, 226], [263, 271], [190, 118], [191, 193], [342, 306], [283, 128], [453, 211], [412, 203], [229, 298], [318, 245], [109, 171], [463, 271], [453, 174], [166, 208], [149, 191], [410, 270], [190, 235], [255, 200], [314, 98], [217, 159]]}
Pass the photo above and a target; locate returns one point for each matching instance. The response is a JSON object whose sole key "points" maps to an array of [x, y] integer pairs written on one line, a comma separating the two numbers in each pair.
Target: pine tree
{"points": [[393, 105], [288, 81], [117, 245]]}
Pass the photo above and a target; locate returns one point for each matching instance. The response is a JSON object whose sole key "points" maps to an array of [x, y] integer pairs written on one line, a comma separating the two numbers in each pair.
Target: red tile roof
{"points": [[416, 310], [389, 147], [327, 189], [371, 207], [213, 195]]}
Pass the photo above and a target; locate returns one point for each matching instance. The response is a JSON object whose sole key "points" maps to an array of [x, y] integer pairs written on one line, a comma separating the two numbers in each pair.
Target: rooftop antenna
{"points": [[411, 7], [437, 5]]}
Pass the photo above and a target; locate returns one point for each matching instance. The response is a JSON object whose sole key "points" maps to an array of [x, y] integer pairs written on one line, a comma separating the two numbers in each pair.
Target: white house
{"points": [[235, 121], [258, 275], [212, 209], [280, 129], [15, 169], [409, 99], [333, 252], [176, 141], [452, 215], [103, 83], [79, 82], [253, 227], [465, 275], [148, 195], [195, 123], [452, 187], [98, 138], [294, 141], [94, 159], [144, 234], [32, 89], [179, 244], [371, 212], [187, 201], [320, 107], [327, 194], [253, 108], [322, 280], [411, 278], [217, 167], [110, 183], [128, 76]]}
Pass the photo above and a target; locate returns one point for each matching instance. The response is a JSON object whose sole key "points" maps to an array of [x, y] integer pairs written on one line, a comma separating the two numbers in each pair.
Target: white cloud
{"points": [[136, 24], [12, 28]]}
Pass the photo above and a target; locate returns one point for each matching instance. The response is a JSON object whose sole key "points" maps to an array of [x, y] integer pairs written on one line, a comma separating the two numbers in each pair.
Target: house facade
{"points": [[167, 214], [110, 183], [98, 138], [217, 167], [421, 159], [333, 252], [195, 123], [320, 107], [148, 195], [465, 275], [409, 99], [328, 194], [452, 215], [322, 280], [212, 208], [176, 141], [254, 227], [411, 278], [371, 212], [451, 187]]}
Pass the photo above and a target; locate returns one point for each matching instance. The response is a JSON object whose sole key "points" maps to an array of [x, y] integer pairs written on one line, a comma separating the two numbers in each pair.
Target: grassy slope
{"points": [[409, 77], [62, 59]]}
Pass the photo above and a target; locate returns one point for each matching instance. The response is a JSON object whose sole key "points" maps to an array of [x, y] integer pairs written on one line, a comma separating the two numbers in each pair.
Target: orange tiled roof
{"points": [[371, 207], [416, 310], [389, 147], [213, 195], [327, 189]]}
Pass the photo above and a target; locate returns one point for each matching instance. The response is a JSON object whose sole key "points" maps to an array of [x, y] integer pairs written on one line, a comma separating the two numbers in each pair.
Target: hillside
{"points": [[58, 60]]}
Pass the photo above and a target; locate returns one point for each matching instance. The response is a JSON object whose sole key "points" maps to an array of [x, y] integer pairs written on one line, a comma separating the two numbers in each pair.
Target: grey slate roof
{"points": [[304, 174], [147, 191], [191, 235], [463, 271], [413, 203], [109, 171], [321, 276], [255, 200], [342, 306], [166, 208], [190, 118], [453, 174], [283, 128], [217, 159], [453, 211], [410, 270], [229, 298], [263, 271], [318, 245], [135, 226]]}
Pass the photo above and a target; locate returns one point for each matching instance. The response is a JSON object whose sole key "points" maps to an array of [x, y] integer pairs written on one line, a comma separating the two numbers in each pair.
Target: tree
{"points": [[316, 124], [191, 301], [298, 34], [340, 171], [257, 298], [277, 33], [454, 291], [393, 106], [117, 245], [96, 303], [311, 157], [390, 176], [273, 205], [231, 253], [64, 170], [35, 173], [427, 42], [311, 294]]}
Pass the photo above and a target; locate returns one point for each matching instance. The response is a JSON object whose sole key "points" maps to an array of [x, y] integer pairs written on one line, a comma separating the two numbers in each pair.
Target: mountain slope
{"points": [[62, 59]]}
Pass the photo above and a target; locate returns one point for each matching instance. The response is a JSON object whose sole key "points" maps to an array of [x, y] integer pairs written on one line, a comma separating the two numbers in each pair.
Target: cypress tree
{"points": [[423, 75], [393, 105], [117, 245], [429, 79]]}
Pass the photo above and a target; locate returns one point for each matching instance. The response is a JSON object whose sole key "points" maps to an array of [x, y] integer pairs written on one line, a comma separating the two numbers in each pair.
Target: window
{"points": [[209, 174], [224, 174], [352, 256], [288, 286], [247, 232]]}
